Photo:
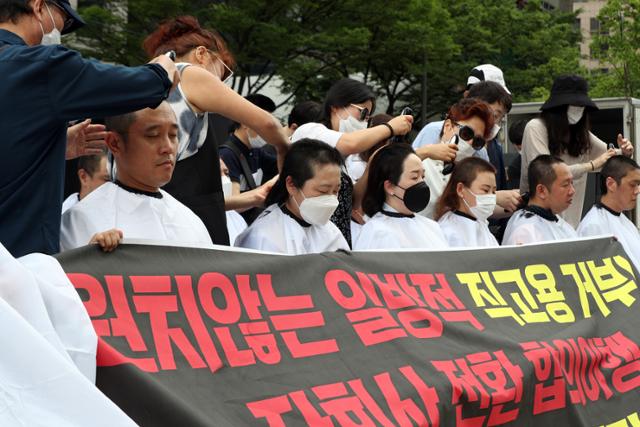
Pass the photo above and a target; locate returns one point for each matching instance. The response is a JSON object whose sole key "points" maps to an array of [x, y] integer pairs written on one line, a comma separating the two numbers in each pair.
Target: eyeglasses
{"points": [[68, 21], [468, 134], [364, 112], [229, 70]]}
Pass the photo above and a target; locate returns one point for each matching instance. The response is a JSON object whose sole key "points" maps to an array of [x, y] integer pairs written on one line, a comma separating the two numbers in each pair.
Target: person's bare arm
{"points": [[206, 93], [361, 140]]}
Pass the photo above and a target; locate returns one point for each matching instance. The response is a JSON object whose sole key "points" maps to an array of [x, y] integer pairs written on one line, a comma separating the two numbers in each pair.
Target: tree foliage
{"points": [[616, 47], [306, 45]]}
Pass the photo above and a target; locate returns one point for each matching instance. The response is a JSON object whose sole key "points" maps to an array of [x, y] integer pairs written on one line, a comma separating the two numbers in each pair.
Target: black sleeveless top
{"points": [[196, 183]]}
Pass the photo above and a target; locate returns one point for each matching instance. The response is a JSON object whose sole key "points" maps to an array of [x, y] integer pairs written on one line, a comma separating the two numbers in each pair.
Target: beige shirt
{"points": [[535, 142]]}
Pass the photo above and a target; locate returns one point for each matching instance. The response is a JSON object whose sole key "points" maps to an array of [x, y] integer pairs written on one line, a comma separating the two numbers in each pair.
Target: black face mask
{"points": [[416, 198]]}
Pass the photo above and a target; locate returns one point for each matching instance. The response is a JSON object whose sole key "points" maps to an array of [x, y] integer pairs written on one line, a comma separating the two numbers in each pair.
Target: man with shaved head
{"points": [[133, 206], [552, 191], [620, 186]]}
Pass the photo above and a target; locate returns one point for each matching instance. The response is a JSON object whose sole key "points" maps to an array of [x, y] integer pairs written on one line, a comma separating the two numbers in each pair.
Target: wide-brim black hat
{"points": [[569, 90], [76, 20]]}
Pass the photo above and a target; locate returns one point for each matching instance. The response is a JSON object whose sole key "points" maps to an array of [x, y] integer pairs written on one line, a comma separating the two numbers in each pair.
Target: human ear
{"points": [[291, 188], [83, 176], [542, 191], [388, 187], [114, 142], [201, 54]]}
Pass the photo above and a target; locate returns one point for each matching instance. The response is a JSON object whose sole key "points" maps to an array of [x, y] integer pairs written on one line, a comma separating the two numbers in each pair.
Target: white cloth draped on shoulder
{"points": [[276, 230], [48, 360], [391, 230], [462, 230], [534, 225], [139, 216], [602, 220], [70, 202]]}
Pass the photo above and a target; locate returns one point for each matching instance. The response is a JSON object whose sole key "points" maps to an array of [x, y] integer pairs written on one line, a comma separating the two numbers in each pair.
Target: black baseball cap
{"points": [[74, 20]]}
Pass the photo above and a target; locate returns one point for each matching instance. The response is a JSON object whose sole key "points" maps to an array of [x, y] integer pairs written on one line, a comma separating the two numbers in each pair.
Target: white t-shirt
{"points": [[278, 231], [391, 230], [139, 216], [601, 220], [317, 131], [462, 230], [535, 225]]}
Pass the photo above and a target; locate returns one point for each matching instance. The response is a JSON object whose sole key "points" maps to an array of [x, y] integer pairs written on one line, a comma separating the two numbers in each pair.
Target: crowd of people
{"points": [[334, 177]]}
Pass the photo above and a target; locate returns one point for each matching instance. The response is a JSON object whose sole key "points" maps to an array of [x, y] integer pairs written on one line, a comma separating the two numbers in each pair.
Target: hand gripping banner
{"points": [[544, 335]]}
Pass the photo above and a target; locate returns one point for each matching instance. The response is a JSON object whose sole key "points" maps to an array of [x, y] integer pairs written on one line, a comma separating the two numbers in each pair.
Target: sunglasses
{"points": [[68, 21], [468, 134], [364, 112]]}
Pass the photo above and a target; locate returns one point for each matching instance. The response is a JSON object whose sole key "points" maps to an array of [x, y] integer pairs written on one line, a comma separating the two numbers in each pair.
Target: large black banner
{"points": [[543, 335]]}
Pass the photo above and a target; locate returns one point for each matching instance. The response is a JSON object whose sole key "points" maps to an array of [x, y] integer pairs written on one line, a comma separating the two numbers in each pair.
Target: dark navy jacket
{"points": [[41, 89]]}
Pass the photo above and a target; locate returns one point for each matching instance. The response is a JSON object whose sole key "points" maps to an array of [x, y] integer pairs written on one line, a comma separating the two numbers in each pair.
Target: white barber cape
{"points": [[602, 220], [277, 230], [70, 202], [534, 224], [235, 225], [462, 230], [389, 229], [138, 215], [48, 358]]}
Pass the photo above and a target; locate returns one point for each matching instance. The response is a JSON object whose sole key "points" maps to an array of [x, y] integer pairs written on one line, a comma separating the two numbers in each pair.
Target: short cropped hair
{"points": [[91, 164], [121, 124], [617, 167], [13, 10], [541, 171]]}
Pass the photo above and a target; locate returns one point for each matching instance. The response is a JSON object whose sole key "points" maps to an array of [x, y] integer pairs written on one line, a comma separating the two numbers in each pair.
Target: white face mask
{"points": [[351, 124], [256, 141], [52, 38], [495, 130], [226, 186], [574, 114], [317, 210], [485, 204]]}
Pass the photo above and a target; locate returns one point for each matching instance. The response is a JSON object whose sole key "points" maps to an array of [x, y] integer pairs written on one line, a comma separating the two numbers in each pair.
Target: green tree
{"points": [[531, 45], [616, 47], [307, 45]]}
